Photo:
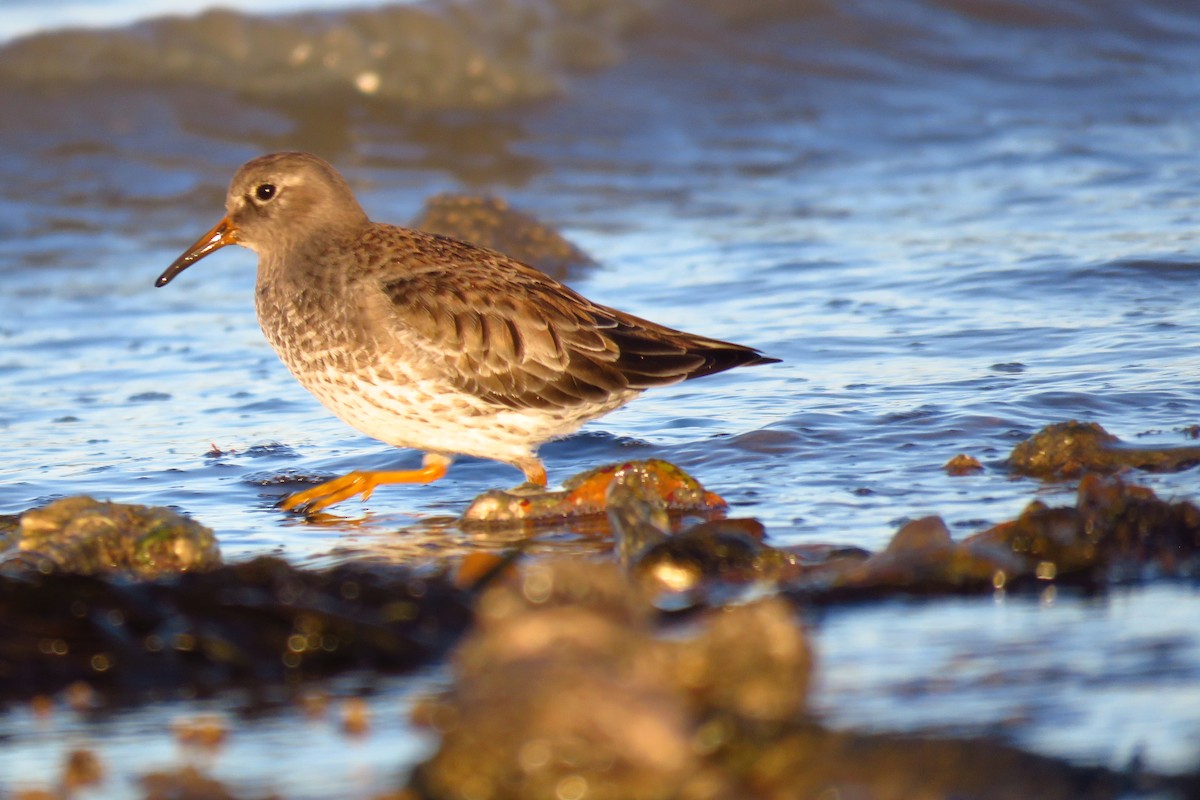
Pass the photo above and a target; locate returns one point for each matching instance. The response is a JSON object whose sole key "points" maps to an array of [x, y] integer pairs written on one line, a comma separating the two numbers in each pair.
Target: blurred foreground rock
{"points": [[566, 684], [255, 625], [572, 687]]}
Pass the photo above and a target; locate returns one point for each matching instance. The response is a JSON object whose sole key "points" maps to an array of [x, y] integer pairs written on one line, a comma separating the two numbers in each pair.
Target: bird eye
{"points": [[265, 191]]}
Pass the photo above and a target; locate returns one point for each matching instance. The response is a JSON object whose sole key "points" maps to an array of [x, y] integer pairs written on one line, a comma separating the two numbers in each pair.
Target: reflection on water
{"points": [[955, 222]]}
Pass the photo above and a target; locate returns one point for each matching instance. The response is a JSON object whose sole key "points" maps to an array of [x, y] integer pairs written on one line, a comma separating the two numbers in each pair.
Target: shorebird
{"points": [[431, 343]]}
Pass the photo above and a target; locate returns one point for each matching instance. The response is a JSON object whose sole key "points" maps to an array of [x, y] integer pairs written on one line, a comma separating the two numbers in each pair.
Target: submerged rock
{"points": [[921, 558], [492, 223], [1071, 449], [84, 536]]}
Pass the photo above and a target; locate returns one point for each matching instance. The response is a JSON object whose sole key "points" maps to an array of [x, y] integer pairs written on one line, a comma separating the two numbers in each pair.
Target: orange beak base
{"points": [[224, 233]]}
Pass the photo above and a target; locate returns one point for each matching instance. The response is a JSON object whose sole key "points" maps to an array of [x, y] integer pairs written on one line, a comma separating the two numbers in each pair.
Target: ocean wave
{"points": [[439, 55], [481, 55]]}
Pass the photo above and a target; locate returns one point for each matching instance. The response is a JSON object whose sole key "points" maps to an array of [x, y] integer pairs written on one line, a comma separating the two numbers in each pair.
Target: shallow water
{"points": [[955, 223]]}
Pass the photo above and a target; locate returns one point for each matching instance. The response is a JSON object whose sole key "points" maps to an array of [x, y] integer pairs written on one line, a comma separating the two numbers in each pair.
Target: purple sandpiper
{"points": [[428, 342]]}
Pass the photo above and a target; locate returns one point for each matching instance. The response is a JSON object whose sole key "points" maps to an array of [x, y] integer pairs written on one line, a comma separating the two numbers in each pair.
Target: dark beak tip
{"points": [[222, 234], [170, 273]]}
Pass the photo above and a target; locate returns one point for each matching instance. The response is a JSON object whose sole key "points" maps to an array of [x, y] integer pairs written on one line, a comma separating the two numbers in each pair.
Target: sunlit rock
{"points": [[587, 494]]}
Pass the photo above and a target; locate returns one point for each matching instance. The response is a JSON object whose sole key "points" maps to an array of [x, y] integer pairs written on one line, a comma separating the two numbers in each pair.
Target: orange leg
{"points": [[535, 473], [335, 491]]}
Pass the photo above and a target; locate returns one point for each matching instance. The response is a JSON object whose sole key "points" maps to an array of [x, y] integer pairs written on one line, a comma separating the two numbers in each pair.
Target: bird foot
{"points": [[329, 493], [335, 491]]}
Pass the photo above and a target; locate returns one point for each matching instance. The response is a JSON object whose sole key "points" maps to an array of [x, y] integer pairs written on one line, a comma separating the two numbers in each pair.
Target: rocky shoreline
{"points": [[677, 668]]}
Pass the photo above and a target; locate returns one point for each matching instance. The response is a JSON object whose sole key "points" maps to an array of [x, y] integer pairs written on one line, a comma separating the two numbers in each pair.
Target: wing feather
{"points": [[503, 331]]}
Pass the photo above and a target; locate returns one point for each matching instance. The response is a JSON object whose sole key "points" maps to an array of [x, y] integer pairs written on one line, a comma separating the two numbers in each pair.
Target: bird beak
{"points": [[224, 233]]}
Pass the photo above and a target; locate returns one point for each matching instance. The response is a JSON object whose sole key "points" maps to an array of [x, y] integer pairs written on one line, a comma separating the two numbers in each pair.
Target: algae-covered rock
{"points": [[85, 536]]}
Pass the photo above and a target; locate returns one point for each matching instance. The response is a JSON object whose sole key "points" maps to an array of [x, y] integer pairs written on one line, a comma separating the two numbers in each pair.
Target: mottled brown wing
{"points": [[511, 335]]}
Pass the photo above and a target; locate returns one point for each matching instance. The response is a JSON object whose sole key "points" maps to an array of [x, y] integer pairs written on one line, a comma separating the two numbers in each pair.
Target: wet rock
{"points": [[818, 566], [678, 567], [258, 624], [587, 494], [570, 688], [1070, 449], [1115, 531], [963, 464], [560, 686], [719, 550], [566, 689], [84, 536], [492, 223]]}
